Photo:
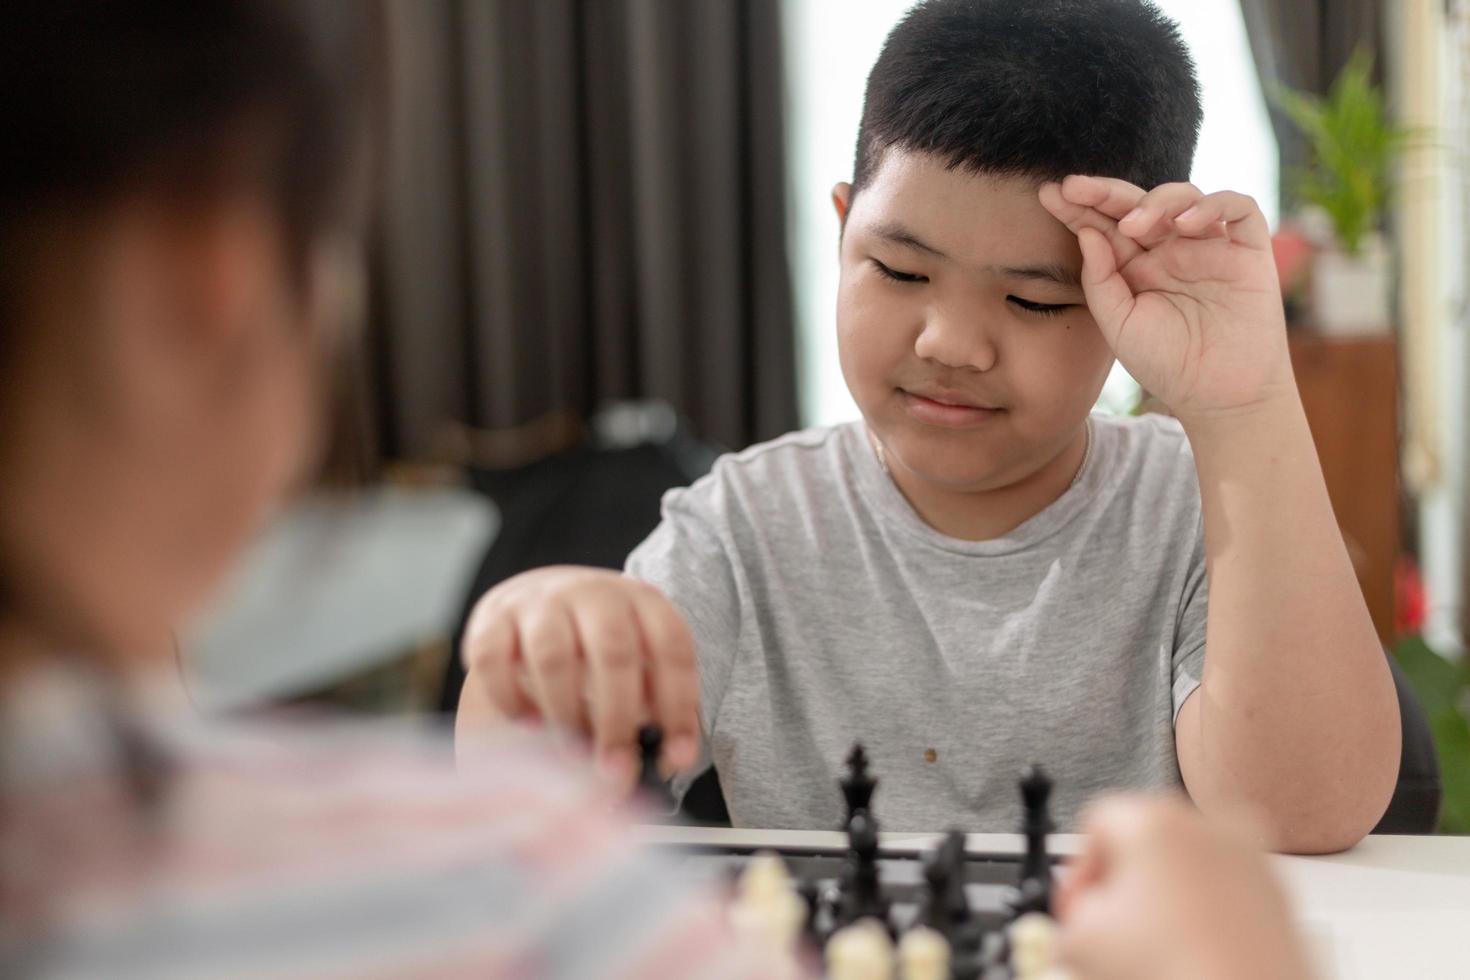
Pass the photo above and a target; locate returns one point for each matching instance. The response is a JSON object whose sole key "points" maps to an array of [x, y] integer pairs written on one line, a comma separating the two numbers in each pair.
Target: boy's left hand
{"points": [[1183, 286]]}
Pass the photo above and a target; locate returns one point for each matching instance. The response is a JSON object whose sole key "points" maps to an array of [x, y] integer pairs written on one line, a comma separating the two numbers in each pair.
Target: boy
{"points": [[979, 574]]}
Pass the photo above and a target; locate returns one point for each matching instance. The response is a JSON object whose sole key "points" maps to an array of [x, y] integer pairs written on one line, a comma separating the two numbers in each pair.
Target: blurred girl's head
{"points": [[179, 185]]}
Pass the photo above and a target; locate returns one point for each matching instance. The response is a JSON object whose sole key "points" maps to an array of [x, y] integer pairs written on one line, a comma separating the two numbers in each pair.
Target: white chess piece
{"points": [[861, 951], [1033, 948], [923, 954], [767, 911]]}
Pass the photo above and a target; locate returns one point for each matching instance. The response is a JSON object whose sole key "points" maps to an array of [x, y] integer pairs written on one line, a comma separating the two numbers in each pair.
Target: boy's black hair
{"points": [[1040, 88]]}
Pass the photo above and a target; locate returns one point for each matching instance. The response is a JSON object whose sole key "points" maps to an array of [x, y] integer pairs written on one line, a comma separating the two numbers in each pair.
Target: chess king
{"points": [[981, 573]]}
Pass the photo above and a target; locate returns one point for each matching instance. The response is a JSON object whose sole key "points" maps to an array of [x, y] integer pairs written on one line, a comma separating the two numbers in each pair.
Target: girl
{"points": [[180, 199]]}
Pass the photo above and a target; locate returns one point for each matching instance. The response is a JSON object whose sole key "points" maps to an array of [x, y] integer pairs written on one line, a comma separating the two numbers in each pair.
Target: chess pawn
{"points": [[862, 951], [1033, 941], [923, 954], [767, 910]]}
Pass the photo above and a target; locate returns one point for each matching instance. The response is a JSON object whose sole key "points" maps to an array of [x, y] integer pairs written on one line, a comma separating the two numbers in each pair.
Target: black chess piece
{"points": [[811, 896], [829, 909], [650, 744], [1036, 880], [862, 892], [957, 913], [857, 785], [653, 787], [932, 908], [945, 906], [965, 964]]}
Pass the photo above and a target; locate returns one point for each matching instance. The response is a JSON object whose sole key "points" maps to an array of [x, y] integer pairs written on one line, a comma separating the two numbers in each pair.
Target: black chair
{"points": [[1414, 808]]}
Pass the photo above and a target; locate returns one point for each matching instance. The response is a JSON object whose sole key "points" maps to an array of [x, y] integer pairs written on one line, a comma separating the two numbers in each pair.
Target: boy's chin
{"points": [[955, 472]]}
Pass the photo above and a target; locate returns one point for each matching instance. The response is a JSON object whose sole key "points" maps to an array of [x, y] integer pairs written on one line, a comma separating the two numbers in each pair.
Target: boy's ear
{"points": [[841, 198]]}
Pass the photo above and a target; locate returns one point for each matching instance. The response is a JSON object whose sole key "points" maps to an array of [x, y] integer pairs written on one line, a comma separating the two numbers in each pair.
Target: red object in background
{"points": [[1409, 603], [1293, 252]]}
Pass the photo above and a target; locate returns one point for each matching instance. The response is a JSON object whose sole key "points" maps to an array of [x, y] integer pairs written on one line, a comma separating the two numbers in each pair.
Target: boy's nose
{"points": [[956, 342]]}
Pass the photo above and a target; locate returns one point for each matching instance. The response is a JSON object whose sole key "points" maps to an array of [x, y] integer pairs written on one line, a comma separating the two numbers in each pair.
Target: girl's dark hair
{"points": [[99, 99]]}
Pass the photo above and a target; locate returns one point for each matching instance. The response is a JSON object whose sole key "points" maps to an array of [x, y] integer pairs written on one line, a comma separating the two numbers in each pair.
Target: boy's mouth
{"points": [[951, 409]]}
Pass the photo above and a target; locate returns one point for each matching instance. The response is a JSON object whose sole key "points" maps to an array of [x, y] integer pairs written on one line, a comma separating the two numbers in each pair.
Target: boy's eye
{"points": [[1043, 309], [897, 276]]}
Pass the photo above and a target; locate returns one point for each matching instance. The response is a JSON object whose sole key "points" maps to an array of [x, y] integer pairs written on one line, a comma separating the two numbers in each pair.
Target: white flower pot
{"points": [[1351, 295]]}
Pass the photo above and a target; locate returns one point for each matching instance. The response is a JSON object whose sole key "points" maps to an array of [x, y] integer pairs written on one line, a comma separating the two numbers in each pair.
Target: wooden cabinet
{"points": [[1350, 390]]}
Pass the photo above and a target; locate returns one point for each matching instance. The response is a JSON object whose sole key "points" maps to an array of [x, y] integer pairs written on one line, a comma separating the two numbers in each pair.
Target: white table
{"points": [[1391, 907]]}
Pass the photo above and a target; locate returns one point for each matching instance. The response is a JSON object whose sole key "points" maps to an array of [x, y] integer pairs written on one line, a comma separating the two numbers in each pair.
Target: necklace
{"points": [[1076, 477]]}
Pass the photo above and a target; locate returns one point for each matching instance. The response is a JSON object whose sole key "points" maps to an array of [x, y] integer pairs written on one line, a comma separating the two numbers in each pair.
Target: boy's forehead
{"points": [[970, 218]]}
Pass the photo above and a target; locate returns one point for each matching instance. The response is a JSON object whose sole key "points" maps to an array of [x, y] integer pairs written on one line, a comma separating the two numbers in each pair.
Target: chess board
{"points": [[991, 875], [945, 911]]}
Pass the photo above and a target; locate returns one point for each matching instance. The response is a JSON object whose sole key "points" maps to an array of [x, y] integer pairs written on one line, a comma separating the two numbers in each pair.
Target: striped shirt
{"points": [[313, 848]]}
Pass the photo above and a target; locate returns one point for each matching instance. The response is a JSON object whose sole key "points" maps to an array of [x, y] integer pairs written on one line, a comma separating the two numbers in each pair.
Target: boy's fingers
{"points": [[553, 663], [1203, 260], [608, 631], [1108, 295], [1079, 216], [673, 677], [1152, 220], [1239, 213], [1114, 198], [490, 654]]}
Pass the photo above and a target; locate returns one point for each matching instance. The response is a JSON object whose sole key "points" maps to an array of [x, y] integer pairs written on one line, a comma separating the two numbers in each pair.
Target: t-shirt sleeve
{"points": [[690, 562], [1193, 621]]}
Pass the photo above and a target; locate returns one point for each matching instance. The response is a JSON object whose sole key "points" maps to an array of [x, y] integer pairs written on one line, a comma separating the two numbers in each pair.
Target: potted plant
{"points": [[1354, 148]]}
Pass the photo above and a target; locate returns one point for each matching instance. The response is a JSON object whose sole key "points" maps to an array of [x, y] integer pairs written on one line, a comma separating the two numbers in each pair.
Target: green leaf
{"points": [[1438, 681], [1452, 741], [1354, 146]]}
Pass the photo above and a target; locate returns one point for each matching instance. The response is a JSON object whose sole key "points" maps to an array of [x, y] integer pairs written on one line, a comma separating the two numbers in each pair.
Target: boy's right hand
{"points": [[590, 651]]}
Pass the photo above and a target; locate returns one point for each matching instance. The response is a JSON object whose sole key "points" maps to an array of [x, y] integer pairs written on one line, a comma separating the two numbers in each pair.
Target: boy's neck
{"points": [[989, 514]]}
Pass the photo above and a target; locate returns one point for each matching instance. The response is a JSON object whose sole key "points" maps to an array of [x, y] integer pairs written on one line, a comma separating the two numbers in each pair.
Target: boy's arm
{"points": [[588, 651], [1296, 712], [599, 652]]}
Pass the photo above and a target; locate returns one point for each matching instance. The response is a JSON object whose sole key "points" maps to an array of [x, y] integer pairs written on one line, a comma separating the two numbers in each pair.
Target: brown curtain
{"points": [[1303, 44], [584, 202]]}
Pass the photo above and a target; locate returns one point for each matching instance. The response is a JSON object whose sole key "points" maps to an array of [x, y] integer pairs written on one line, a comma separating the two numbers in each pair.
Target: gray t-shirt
{"points": [[825, 611]]}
